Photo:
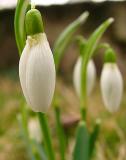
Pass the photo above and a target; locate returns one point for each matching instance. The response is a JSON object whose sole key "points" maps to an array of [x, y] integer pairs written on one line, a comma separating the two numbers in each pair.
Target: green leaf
{"points": [[81, 150], [94, 39], [19, 23], [94, 137], [66, 37]]}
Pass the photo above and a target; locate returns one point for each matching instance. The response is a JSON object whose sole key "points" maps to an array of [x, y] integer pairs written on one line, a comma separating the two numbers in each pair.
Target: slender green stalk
{"points": [[19, 23], [47, 136], [24, 118], [88, 51], [83, 111], [61, 134], [83, 98]]}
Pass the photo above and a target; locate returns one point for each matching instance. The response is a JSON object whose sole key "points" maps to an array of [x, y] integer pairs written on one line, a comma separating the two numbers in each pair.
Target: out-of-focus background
{"points": [[112, 140]]}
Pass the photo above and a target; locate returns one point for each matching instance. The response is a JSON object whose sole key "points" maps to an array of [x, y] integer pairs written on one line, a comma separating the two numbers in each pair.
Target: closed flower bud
{"points": [[111, 86], [37, 72], [91, 76], [34, 130]]}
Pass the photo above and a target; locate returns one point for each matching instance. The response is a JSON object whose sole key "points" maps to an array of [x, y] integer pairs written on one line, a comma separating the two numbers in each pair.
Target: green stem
{"points": [[19, 24], [83, 98], [61, 134], [88, 51], [47, 136], [83, 112]]}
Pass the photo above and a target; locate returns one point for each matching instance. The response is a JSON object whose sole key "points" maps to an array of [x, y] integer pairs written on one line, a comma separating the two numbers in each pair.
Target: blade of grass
{"points": [[19, 25], [81, 150], [66, 37]]}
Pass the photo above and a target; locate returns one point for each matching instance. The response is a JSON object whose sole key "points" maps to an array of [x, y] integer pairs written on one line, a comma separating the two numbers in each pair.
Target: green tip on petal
{"points": [[110, 56], [33, 22]]}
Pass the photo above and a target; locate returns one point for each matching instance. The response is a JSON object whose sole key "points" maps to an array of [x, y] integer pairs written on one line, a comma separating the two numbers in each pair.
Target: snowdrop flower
{"points": [[111, 83], [36, 66], [34, 130], [91, 76]]}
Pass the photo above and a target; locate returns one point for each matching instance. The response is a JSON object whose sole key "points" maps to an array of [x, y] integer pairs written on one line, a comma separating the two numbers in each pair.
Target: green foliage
{"points": [[19, 23], [85, 142], [66, 37], [88, 51], [81, 150]]}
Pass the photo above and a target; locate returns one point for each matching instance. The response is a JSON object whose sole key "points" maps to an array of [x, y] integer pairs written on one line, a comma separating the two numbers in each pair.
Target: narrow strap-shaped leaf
{"points": [[66, 36], [19, 25], [81, 150], [94, 137], [94, 38]]}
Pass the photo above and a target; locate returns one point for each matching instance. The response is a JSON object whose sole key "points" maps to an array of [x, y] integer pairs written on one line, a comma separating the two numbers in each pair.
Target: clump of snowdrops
{"points": [[38, 68]]}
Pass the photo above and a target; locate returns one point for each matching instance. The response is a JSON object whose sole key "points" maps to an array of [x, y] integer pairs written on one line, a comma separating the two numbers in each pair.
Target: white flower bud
{"points": [[91, 76], [111, 86], [34, 130], [37, 72]]}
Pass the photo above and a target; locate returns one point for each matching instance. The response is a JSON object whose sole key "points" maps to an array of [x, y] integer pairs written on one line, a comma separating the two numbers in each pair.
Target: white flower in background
{"points": [[91, 76], [111, 86], [34, 130], [37, 72]]}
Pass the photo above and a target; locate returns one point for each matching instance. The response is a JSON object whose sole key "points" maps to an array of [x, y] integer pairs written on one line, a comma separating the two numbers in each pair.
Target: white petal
{"points": [[40, 75], [22, 70], [91, 76], [111, 86]]}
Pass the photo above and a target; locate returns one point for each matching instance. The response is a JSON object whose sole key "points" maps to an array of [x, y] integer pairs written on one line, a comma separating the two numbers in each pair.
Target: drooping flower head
{"points": [[36, 66], [111, 82]]}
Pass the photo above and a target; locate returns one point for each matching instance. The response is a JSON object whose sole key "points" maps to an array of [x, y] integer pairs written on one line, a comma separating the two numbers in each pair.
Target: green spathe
{"points": [[110, 56], [33, 22]]}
